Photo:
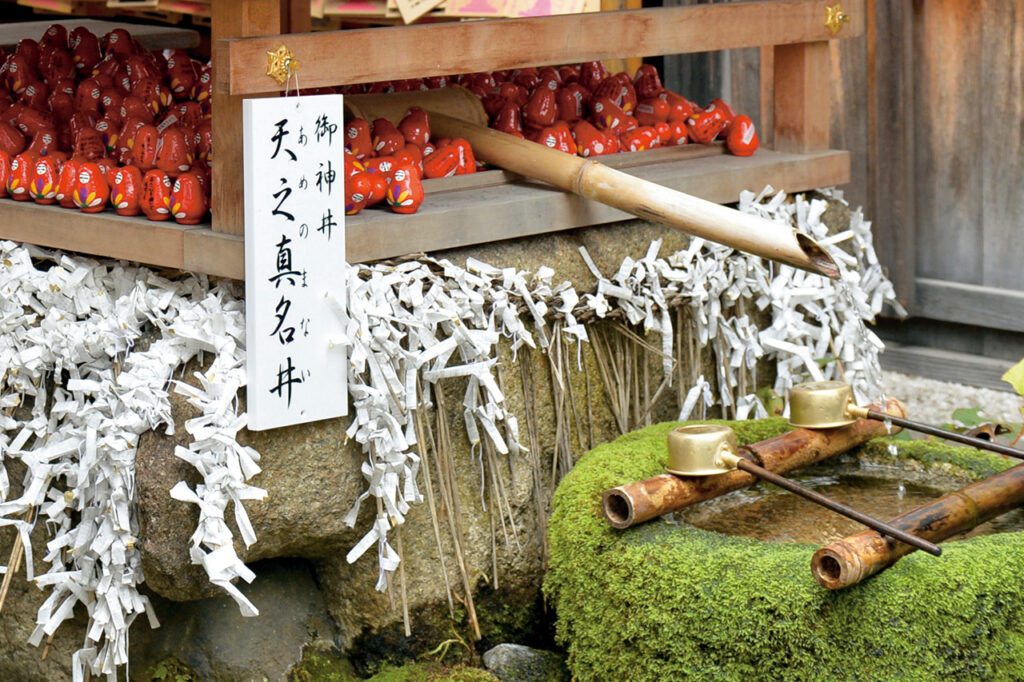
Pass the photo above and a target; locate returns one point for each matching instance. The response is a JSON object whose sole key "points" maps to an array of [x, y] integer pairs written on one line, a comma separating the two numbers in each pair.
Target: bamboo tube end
{"points": [[618, 508], [819, 258], [836, 567]]}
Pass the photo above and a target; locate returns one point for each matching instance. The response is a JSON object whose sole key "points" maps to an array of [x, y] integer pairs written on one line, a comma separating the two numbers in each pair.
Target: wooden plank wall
{"points": [[948, 46], [1002, 163], [970, 197], [930, 103]]}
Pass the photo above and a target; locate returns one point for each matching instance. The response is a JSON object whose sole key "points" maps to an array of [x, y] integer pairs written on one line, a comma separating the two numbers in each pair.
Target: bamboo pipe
{"points": [[850, 560], [600, 183], [634, 503]]}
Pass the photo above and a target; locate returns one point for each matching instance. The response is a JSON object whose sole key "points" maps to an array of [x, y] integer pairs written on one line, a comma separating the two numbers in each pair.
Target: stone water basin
{"points": [[667, 600], [880, 489]]}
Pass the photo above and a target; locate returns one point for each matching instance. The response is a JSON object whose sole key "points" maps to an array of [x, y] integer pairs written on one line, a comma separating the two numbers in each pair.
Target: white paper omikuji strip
{"points": [[75, 322], [414, 322]]}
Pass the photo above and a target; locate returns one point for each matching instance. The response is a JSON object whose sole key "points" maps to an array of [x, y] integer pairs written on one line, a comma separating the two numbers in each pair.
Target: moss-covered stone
{"points": [[505, 616], [975, 464], [663, 602], [170, 670], [326, 666], [432, 672], [322, 666]]}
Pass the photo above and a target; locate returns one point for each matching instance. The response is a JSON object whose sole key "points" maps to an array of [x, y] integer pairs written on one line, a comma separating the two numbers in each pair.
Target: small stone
{"points": [[518, 663]]}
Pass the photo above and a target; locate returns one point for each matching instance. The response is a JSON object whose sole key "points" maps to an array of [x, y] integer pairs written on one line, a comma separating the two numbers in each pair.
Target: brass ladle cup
{"points": [[828, 404], [710, 449]]}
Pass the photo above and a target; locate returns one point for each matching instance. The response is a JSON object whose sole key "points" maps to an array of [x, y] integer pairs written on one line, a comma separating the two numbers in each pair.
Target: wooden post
{"points": [[234, 20], [296, 16], [801, 112], [627, 64], [891, 144], [767, 130]]}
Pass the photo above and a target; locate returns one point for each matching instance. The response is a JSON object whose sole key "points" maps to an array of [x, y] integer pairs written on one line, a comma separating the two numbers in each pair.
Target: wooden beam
{"points": [[365, 55], [235, 19], [801, 109], [969, 304]]}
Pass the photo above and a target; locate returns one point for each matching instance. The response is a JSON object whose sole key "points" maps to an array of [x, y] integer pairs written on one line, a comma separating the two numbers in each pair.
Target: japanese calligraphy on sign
{"points": [[294, 252]]}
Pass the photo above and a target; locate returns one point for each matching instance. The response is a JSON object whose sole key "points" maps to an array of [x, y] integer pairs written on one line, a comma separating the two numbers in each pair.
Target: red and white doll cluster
{"points": [[385, 162], [88, 122], [583, 109]]}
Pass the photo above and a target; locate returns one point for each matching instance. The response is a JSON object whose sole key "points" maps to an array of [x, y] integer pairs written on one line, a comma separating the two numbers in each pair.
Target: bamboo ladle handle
{"points": [[920, 427], [608, 186]]}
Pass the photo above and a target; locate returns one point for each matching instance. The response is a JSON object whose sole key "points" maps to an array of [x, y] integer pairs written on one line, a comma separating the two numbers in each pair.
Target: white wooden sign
{"points": [[296, 365]]}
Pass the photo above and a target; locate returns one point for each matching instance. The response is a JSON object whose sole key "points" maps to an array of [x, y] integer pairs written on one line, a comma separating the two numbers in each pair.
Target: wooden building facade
{"points": [[930, 101]]}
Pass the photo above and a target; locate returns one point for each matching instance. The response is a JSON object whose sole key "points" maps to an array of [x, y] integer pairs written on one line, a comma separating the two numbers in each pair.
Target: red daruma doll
{"points": [[66, 182], [188, 201], [156, 195], [405, 191], [18, 177], [43, 181], [5, 171], [90, 191], [126, 190]]}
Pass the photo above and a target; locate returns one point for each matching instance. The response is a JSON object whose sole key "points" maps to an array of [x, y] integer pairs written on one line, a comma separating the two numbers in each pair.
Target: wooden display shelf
{"points": [[97, 234], [492, 205], [458, 211], [796, 29]]}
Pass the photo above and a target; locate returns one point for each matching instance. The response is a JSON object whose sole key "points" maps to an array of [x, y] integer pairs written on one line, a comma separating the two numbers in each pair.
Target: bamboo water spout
{"points": [[850, 560], [455, 112], [634, 503]]}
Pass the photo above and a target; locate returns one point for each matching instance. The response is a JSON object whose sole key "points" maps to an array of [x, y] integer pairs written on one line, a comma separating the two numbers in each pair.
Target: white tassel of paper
{"points": [[83, 317], [418, 322]]}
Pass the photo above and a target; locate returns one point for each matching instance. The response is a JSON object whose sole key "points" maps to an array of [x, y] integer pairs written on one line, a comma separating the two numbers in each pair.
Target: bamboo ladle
{"points": [[455, 112], [827, 404], [709, 449]]}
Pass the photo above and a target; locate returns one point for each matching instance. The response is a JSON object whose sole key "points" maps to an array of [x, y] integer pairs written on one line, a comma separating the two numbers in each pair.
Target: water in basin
{"points": [[769, 513]]}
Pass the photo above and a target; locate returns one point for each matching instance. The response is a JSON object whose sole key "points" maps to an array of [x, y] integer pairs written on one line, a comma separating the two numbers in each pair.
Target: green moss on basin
{"points": [[662, 602]]}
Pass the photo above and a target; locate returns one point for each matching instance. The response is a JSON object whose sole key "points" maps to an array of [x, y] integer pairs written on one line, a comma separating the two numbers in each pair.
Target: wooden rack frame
{"points": [[792, 34]]}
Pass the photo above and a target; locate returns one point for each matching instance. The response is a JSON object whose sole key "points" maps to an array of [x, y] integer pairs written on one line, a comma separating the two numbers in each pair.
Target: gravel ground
{"points": [[933, 402]]}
